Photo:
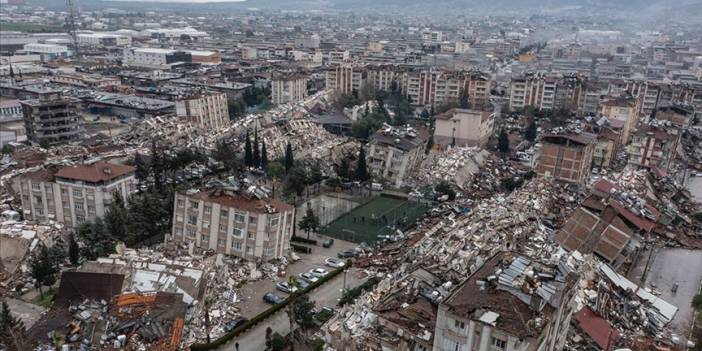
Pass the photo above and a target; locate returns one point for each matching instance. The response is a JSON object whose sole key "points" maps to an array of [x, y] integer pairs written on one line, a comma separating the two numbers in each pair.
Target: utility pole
{"points": [[72, 27]]}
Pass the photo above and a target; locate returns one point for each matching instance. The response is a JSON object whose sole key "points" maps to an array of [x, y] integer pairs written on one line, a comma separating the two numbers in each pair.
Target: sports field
{"points": [[377, 217]]}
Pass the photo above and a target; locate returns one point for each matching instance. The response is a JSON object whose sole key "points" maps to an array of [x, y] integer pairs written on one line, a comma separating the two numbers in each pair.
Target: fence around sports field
{"points": [[379, 217]]}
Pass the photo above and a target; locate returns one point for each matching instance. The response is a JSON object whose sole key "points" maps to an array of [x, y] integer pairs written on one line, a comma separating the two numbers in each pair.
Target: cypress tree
{"points": [[248, 156]]}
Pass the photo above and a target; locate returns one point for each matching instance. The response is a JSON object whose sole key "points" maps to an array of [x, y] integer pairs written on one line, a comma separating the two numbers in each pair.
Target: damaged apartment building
{"points": [[73, 194], [251, 226], [394, 152]]}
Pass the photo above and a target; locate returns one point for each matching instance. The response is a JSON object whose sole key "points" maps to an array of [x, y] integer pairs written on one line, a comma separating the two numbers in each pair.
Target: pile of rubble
{"points": [[456, 165]]}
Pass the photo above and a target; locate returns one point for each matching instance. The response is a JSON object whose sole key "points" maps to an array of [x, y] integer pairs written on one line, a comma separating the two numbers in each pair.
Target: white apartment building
{"points": [[48, 52], [230, 224], [153, 57], [10, 110], [463, 127], [285, 89], [393, 153], [345, 78], [73, 194], [533, 90], [208, 110]]}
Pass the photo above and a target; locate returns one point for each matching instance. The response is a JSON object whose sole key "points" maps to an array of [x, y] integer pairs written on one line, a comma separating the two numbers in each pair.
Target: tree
{"points": [[256, 151], [98, 242], [303, 310], [343, 169], [264, 155], [248, 154], [225, 153], [297, 180], [289, 161], [73, 250], [278, 342], [697, 302], [430, 144], [530, 133], [503, 142], [424, 114], [43, 270], [142, 168], [444, 188], [7, 149], [117, 219], [275, 170], [12, 331], [361, 173], [309, 222], [463, 99]]}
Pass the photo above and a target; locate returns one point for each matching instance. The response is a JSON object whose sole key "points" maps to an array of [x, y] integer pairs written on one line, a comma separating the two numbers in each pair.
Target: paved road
{"points": [[326, 295], [680, 266]]}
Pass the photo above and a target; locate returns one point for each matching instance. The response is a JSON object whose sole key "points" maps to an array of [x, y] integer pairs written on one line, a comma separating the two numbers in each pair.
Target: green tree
{"points": [[297, 180], [248, 153], [278, 342], [463, 99], [275, 170], [13, 334], [225, 153], [530, 133], [309, 222], [503, 142], [697, 302], [303, 310], [361, 173], [289, 160], [343, 169], [142, 168], [256, 151], [43, 270], [430, 144], [73, 250], [117, 220], [7, 149], [98, 242], [264, 155]]}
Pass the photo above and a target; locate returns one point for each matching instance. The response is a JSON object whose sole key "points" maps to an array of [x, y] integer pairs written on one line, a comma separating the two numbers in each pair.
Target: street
{"points": [[27, 312], [326, 295]]}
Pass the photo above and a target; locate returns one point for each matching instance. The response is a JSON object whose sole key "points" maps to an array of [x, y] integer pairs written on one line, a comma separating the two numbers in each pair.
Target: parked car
{"points": [[286, 287], [308, 277], [231, 325], [272, 298], [302, 284], [346, 254], [319, 272], [334, 262], [328, 243]]}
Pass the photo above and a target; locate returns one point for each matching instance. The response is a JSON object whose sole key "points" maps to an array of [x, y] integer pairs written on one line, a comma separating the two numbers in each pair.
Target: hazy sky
{"points": [[188, 1]]}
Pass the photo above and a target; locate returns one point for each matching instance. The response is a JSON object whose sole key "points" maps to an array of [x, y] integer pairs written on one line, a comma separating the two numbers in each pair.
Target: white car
{"points": [[334, 262], [308, 277], [319, 272]]}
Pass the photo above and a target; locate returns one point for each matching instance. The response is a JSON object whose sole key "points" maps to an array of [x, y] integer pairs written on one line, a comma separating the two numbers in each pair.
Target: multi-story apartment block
{"points": [[533, 90], [507, 304], [72, 195], [52, 118], [680, 115], [154, 57], [654, 145], [623, 112], [233, 224], [462, 127], [393, 153], [345, 78], [423, 86], [566, 157], [205, 109], [288, 88]]}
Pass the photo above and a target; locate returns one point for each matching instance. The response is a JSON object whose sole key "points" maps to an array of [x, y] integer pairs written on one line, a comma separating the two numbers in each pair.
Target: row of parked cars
{"points": [[303, 280]]}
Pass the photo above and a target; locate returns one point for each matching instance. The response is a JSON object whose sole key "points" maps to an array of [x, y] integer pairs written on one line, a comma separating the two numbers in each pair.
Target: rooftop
{"points": [[256, 205], [94, 173]]}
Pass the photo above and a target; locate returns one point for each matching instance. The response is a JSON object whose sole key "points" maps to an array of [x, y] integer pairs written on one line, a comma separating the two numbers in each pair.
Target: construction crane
{"points": [[72, 27]]}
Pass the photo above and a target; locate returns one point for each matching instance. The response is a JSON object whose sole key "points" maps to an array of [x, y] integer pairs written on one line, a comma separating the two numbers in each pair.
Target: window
{"points": [[192, 219], [274, 221], [205, 240], [459, 324], [179, 231], [91, 209], [498, 343], [179, 218], [36, 186], [252, 219], [237, 232], [195, 205], [239, 217], [224, 213], [236, 246], [268, 252], [222, 227], [207, 209], [37, 199], [251, 235], [190, 233], [249, 250], [77, 193], [180, 203], [79, 206], [39, 211]]}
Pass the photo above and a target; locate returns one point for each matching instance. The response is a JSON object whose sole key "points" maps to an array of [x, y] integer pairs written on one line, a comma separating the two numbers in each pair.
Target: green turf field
{"points": [[366, 222]]}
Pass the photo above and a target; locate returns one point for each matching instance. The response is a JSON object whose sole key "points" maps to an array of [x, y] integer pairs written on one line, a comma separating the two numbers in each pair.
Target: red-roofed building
{"points": [[654, 146], [598, 329], [73, 194], [566, 157], [232, 224]]}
